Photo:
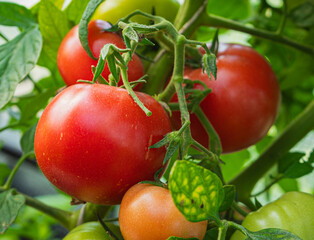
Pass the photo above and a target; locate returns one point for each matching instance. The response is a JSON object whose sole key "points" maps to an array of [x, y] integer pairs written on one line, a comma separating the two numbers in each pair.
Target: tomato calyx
{"points": [[172, 140]]}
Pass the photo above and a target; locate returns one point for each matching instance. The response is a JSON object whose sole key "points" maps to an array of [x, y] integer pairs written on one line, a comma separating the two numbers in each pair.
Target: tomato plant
{"points": [[113, 10], [293, 212], [244, 101], [75, 64], [92, 141], [148, 212]]}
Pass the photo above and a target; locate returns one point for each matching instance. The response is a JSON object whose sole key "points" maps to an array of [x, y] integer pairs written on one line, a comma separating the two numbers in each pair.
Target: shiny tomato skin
{"points": [[92, 231], [92, 141], [293, 211], [74, 63], [244, 101], [148, 212], [89, 230]]}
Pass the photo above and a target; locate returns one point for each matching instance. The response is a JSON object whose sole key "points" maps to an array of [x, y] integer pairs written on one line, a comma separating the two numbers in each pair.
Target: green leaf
{"points": [[83, 32], [257, 204], [54, 25], [30, 106], [171, 150], [311, 157], [292, 165], [271, 234], [75, 10], [289, 184], [27, 140], [9, 208], [212, 233], [209, 65], [146, 42], [303, 15], [18, 57], [130, 33], [120, 59], [166, 139], [112, 67], [100, 64], [4, 172], [230, 192], [144, 29], [196, 191], [12, 14], [174, 142]]}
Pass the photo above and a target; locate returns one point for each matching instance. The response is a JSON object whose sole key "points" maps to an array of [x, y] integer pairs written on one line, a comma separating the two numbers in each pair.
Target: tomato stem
{"points": [[160, 70], [277, 179], [220, 22], [284, 18], [214, 141], [132, 93], [236, 207], [64, 217], [10, 178], [222, 231]]}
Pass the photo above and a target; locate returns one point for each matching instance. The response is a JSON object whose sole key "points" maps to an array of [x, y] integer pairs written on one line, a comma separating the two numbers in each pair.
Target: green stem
{"points": [[214, 141], [34, 83], [222, 231], [177, 81], [10, 178], [4, 37], [195, 20], [294, 132], [220, 22], [284, 18], [237, 227], [268, 186], [160, 70], [12, 125], [236, 207], [64, 217], [132, 93], [189, 15]]}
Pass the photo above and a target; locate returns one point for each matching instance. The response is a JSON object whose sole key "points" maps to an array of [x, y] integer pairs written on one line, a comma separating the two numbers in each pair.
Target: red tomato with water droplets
{"points": [[92, 141]]}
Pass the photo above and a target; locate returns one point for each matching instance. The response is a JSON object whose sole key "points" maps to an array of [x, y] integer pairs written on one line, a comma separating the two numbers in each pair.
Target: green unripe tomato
{"points": [[112, 10], [294, 211], [91, 231]]}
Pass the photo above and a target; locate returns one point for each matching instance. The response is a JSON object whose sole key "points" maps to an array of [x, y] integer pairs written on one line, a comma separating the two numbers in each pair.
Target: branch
{"points": [[294, 132], [220, 22]]}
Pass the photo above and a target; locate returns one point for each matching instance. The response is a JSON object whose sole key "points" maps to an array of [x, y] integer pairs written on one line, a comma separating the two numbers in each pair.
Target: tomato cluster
{"points": [[93, 140]]}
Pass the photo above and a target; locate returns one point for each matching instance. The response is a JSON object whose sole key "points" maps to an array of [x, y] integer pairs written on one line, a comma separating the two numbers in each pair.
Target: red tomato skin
{"points": [[75, 64], [92, 141], [148, 212], [244, 101]]}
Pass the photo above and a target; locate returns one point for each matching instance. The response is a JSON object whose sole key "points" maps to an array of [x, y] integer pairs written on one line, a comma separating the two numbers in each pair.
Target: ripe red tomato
{"points": [[74, 63], [92, 141], [244, 101], [148, 212]]}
